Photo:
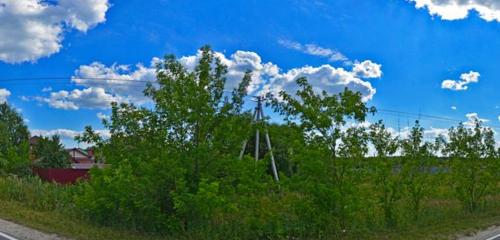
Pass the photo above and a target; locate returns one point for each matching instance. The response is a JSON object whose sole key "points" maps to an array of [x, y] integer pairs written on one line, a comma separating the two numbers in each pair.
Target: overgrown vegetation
{"points": [[49, 152], [14, 145], [174, 168]]}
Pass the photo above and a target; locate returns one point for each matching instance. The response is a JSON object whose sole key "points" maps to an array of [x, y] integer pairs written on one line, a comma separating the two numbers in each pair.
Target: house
{"points": [[78, 155]]}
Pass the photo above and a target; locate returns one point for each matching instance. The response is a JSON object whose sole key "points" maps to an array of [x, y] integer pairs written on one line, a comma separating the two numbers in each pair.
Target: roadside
{"points": [[23, 233], [64, 226], [492, 233]]}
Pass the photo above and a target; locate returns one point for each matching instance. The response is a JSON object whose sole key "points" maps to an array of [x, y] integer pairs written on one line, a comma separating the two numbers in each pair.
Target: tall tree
{"points": [[14, 142], [471, 151], [388, 180], [325, 168], [192, 134], [416, 166]]}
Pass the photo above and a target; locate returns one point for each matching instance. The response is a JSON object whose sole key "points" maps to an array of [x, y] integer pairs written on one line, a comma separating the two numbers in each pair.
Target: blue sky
{"points": [[399, 53]]}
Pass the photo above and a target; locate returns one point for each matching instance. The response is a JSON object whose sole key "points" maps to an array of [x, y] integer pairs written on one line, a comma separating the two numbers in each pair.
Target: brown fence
{"points": [[62, 175]]}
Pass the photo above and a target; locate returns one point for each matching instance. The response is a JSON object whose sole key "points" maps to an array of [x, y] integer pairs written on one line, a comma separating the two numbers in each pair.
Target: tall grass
{"points": [[33, 193]]}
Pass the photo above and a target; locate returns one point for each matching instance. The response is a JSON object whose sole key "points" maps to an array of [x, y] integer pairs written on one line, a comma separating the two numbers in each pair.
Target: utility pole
{"points": [[258, 116]]}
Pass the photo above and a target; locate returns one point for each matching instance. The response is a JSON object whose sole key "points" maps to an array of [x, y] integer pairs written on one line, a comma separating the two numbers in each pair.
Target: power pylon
{"points": [[258, 116]]}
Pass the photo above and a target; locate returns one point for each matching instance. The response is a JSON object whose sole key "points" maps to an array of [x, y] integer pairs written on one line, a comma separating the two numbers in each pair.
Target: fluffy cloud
{"points": [[102, 116], [325, 77], [268, 77], [36, 28], [315, 50], [124, 83], [65, 133], [453, 108], [462, 84], [367, 69], [4, 94], [121, 80], [91, 98], [488, 10], [472, 118], [237, 64]]}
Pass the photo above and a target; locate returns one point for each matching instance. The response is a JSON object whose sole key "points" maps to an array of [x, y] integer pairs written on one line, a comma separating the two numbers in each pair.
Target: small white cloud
{"points": [[46, 89], [4, 94], [367, 69], [472, 118], [462, 84], [102, 116], [488, 10], [453, 108], [315, 50]]}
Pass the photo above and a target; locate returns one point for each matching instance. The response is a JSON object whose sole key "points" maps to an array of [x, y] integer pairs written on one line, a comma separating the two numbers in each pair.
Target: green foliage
{"points": [[50, 153], [14, 145], [472, 155], [164, 154], [387, 172], [417, 168], [175, 168], [35, 194], [327, 172]]}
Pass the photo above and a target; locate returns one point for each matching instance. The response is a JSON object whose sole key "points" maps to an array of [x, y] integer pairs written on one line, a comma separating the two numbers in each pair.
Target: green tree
{"points": [[159, 156], [471, 152], [14, 142], [325, 171], [386, 170], [50, 153], [417, 156]]}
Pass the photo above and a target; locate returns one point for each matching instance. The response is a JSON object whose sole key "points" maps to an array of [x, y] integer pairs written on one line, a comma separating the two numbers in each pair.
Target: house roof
{"points": [[78, 150]]}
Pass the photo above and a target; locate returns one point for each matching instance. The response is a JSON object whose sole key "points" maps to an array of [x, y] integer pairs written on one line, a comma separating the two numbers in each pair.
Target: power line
{"points": [[77, 78], [60, 80], [418, 116]]}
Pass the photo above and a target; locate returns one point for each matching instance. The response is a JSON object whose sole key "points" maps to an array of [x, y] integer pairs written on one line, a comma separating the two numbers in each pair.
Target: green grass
{"points": [[437, 224], [48, 208], [62, 225]]}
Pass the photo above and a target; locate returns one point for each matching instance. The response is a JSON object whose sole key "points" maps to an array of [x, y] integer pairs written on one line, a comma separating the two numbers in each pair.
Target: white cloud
{"points": [[121, 80], [123, 83], [46, 89], [237, 64], [65, 133], [330, 79], [90, 98], [453, 108], [269, 78], [4, 94], [462, 84], [472, 118], [367, 69], [36, 28], [315, 50], [102, 116], [488, 10]]}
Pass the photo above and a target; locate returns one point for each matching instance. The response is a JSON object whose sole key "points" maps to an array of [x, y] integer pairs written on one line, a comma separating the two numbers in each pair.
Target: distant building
{"points": [[78, 155]]}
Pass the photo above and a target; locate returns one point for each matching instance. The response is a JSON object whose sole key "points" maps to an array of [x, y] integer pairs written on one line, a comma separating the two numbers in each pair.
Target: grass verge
{"points": [[447, 226], [54, 222]]}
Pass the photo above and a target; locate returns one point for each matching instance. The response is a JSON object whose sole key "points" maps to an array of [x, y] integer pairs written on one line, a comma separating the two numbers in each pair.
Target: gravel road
{"points": [[12, 231]]}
